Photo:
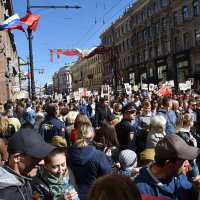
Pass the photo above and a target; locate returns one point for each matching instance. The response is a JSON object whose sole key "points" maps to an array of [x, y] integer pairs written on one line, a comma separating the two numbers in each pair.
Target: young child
{"points": [[128, 163]]}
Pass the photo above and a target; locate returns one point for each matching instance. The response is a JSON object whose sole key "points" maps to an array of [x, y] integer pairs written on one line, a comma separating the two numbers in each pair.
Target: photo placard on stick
{"points": [[151, 87], [104, 90], [128, 88], [183, 86], [76, 95]]}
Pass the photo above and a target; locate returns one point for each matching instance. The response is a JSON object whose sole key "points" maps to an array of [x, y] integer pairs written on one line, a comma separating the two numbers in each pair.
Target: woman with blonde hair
{"points": [[80, 118], [117, 113], [86, 161]]}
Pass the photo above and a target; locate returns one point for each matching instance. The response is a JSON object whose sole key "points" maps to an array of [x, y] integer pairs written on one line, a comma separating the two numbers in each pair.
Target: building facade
{"points": [[154, 41], [87, 73], [9, 77], [62, 81]]}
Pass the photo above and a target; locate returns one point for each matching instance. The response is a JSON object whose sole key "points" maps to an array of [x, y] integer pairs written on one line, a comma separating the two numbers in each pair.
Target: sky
{"points": [[64, 29]]}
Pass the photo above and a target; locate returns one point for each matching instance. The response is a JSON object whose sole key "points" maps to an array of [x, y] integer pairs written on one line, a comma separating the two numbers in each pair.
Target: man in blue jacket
{"points": [[170, 116], [165, 179]]}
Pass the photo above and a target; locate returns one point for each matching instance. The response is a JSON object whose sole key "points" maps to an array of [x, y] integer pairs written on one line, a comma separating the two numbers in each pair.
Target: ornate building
{"points": [[87, 73], [62, 81], [154, 41], [9, 78]]}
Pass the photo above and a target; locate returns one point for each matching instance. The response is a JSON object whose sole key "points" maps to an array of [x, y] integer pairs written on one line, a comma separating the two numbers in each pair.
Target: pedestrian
{"points": [[26, 150], [165, 177], [126, 133]]}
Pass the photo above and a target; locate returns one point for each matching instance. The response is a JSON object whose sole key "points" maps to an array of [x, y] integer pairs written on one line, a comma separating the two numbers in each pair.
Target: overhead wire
{"points": [[97, 22], [106, 22]]}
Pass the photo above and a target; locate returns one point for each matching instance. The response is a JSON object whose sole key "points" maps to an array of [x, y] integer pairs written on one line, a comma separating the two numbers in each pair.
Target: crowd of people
{"points": [[140, 146]]}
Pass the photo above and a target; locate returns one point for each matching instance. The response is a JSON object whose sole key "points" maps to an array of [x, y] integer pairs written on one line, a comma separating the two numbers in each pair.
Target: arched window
{"points": [[155, 6], [185, 13], [196, 7], [175, 18]]}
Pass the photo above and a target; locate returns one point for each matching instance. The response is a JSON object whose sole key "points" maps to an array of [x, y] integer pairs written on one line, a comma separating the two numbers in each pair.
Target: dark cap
{"points": [[173, 146], [28, 104], [128, 107], [29, 142]]}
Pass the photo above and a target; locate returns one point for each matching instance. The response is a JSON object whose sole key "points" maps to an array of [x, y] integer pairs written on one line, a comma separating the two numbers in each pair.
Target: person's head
{"points": [[175, 105], [146, 107], [52, 110], [185, 121], [128, 159], [104, 102], [129, 111], [26, 150], [154, 104], [39, 117], [192, 104], [59, 141], [167, 102], [81, 117], [158, 124], [92, 99], [107, 135], [85, 134], [64, 111], [55, 162], [172, 155], [28, 104], [146, 157], [4, 125], [114, 187], [1, 108], [8, 107], [71, 116], [117, 107]]}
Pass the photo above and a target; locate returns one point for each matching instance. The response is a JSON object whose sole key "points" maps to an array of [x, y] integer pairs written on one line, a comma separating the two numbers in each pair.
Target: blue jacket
{"points": [[177, 188], [170, 117], [29, 116], [52, 127], [87, 164], [84, 109]]}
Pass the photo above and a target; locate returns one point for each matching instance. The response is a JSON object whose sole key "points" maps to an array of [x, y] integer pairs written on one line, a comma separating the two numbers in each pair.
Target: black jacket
{"points": [[102, 114], [126, 135]]}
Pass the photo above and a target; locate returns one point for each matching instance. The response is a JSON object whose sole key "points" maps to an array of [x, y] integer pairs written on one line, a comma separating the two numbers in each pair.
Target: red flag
{"points": [[165, 91], [31, 20]]}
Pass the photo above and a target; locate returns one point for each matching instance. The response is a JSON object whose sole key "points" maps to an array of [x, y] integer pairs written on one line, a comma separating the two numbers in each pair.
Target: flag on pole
{"points": [[31, 20], [11, 23]]}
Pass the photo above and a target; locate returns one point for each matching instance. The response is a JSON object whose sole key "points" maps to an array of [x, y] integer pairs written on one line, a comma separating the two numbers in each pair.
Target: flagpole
{"points": [[30, 38]]}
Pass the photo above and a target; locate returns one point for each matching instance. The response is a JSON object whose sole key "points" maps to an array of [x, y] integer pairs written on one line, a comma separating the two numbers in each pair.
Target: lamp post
{"points": [[30, 38]]}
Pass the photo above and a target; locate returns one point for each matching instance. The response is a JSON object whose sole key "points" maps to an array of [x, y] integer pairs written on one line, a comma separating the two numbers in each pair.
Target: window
{"points": [[155, 6], [165, 48], [163, 3], [176, 44], [142, 15], [124, 62], [148, 11], [175, 18], [150, 31], [164, 24], [197, 37], [145, 34], [186, 40], [157, 27], [185, 13], [196, 7], [157, 50]]}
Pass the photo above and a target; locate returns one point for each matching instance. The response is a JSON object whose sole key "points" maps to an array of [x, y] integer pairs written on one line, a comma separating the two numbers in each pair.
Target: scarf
{"points": [[56, 184]]}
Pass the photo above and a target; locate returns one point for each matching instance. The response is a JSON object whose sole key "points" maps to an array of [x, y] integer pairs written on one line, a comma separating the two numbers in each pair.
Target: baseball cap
{"points": [[128, 107], [29, 142], [173, 146]]}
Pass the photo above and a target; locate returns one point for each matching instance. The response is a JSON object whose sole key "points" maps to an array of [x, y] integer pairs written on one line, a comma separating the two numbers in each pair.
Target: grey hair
{"points": [[158, 120]]}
